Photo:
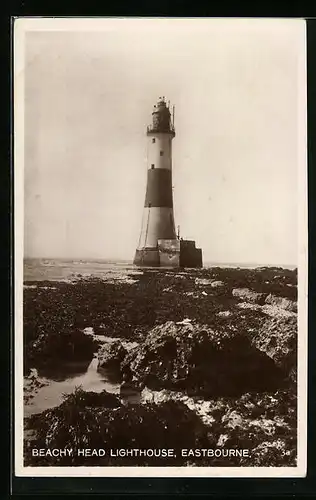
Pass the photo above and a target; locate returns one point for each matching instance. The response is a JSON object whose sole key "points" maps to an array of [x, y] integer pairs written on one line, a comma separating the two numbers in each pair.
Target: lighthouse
{"points": [[158, 243]]}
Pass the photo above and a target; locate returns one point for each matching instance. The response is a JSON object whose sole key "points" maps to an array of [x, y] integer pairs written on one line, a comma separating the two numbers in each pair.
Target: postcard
{"points": [[160, 201]]}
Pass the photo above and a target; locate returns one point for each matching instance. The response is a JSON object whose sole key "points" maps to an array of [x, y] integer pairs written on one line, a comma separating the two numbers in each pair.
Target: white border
{"points": [[21, 25]]}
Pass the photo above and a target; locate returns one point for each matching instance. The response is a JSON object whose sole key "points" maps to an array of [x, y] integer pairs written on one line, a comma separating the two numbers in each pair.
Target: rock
{"points": [[232, 419], [111, 355], [213, 283], [293, 374], [249, 295], [124, 311], [130, 392], [253, 419], [33, 373], [88, 330], [216, 284], [169, 425], [185, 321], [200, 360], [281, 302], [222, 440], [276, 312], [249, 305], [274, 453], [277, 337], [57, 349], [90, 399], [265, 424]]}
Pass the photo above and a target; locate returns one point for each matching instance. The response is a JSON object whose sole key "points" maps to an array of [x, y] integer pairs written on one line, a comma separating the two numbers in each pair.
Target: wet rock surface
{"points": [[55, 316], [261, 424], [277, 337], [32, 383], [218, 366], [245, 422], [281, 302], [111, 355], [83, 422], [197, 359], [54, 347], [249, 295]]}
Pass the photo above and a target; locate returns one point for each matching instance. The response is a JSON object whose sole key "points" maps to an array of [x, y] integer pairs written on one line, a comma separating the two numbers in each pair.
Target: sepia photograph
{"points": [[160, 170]]}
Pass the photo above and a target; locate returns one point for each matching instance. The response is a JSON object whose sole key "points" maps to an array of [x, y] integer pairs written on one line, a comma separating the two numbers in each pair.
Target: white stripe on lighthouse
{"points": [[159, 151]]}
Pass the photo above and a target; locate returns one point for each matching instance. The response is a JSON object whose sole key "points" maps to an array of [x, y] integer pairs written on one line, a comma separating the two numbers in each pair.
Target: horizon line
{"points": [[116, 259]]}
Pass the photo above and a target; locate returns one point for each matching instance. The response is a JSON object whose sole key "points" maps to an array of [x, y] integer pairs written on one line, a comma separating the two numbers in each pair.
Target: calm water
{"points": [[56, 270], [51, 395]]}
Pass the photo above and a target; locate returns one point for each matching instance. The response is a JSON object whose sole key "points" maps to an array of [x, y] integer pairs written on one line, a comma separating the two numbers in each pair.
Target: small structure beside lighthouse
{"points": [[158, 243]]}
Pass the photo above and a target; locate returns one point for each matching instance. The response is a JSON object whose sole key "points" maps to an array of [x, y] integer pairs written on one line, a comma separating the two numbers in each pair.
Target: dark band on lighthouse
{"points": [[159, 188]]}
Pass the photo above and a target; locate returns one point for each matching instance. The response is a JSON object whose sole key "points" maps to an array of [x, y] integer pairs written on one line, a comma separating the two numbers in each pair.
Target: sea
{"points": [[64, 269], [37, 269]]}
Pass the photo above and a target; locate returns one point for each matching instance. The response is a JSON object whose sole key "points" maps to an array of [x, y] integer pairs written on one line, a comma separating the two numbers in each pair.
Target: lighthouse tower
{"points": [[158, 243], [158, 219]]}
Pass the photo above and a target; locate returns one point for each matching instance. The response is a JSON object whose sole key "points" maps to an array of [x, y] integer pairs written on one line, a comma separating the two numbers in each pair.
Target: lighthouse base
{"points": [[147, 257], [170, 253]]}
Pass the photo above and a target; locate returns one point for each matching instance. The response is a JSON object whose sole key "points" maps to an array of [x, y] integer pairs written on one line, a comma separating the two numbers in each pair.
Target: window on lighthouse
{"points": [[161, 153], [153, 140]]}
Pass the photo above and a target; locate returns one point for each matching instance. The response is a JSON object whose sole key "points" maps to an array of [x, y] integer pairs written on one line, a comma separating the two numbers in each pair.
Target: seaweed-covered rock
{"points": [[277, 337], [54, 349], [211, 282], [120, 309], [265, 425], [111, 355], [244, 423], [88, 399], [170, 425], [200, 360], [281, 302], [249, 295]]}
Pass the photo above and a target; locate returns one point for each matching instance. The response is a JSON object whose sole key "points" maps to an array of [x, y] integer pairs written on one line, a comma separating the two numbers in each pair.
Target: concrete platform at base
{"points": [[170, 253], [190, 256], [147, 257]]}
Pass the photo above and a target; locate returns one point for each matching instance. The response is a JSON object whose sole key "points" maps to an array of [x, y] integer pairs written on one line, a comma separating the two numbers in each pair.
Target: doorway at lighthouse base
{"points": [[170, 253]]}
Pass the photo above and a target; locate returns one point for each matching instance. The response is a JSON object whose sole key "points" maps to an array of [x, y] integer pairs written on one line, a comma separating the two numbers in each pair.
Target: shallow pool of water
{"points": [[51, 395]]}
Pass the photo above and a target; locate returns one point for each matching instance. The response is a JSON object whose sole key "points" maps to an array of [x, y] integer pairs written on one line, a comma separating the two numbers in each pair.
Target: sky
{"points": [[89, 90]]}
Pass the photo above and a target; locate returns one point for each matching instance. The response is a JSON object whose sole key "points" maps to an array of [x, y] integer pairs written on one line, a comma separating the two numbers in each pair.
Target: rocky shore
{"points": [[210, 353]]}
